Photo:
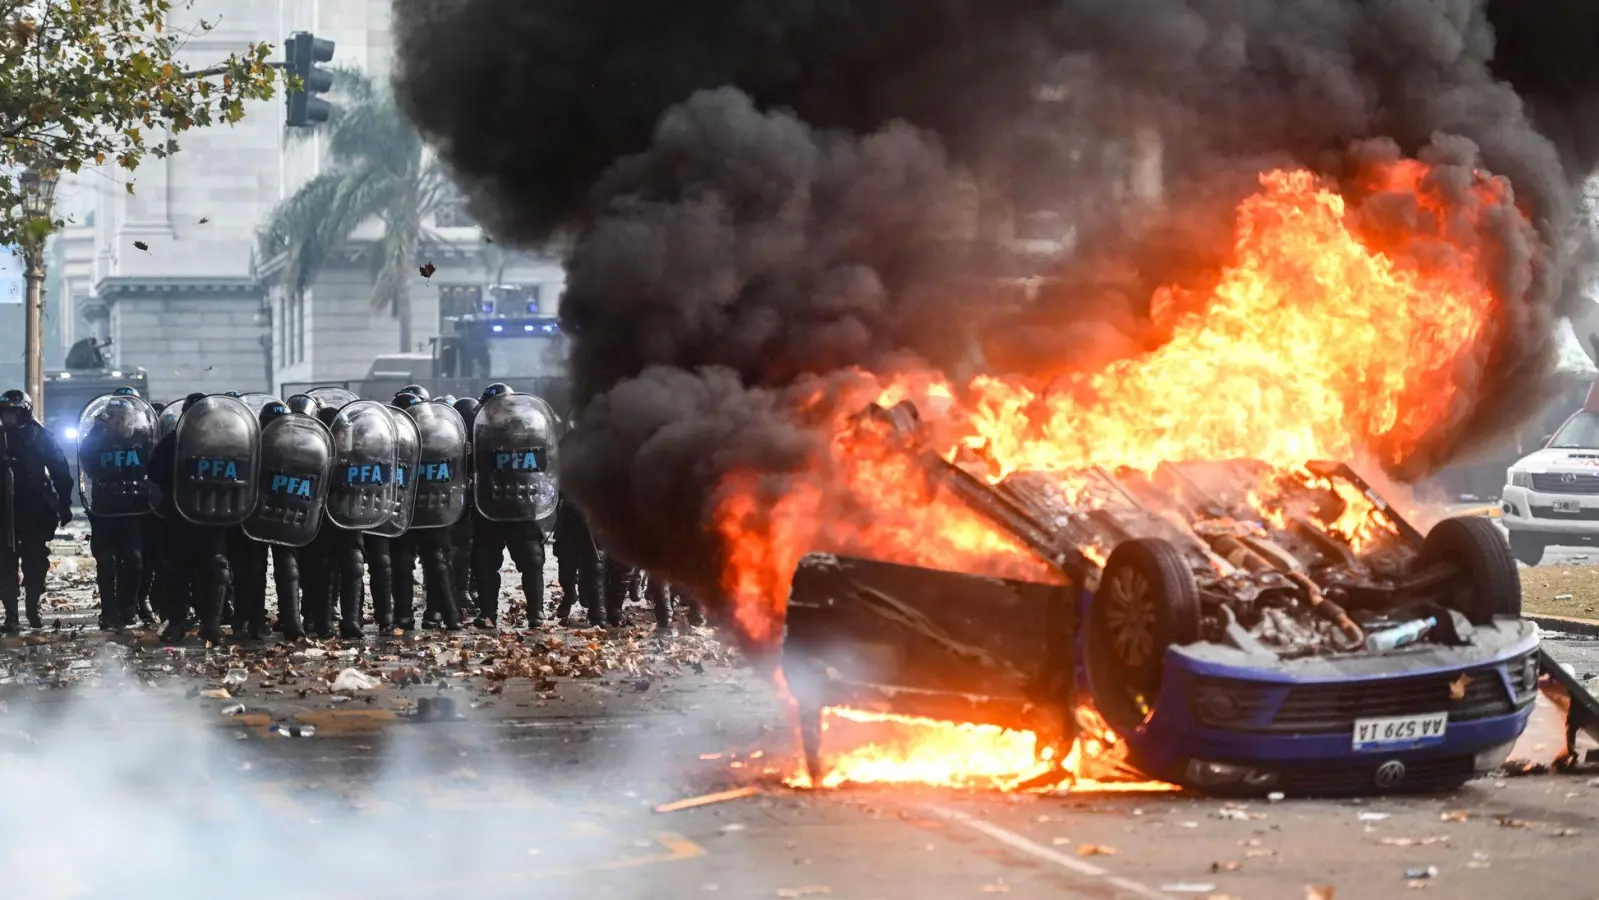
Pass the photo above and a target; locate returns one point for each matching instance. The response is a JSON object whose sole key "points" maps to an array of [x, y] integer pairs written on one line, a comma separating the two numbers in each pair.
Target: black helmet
{"points": [[406, 400], [126, 392], [494, 390], [326, 414], [158, 406], [467, 407], [273, 411], [234, 394], [17, 400], [305, 404], [191, 400], [416, 389]]}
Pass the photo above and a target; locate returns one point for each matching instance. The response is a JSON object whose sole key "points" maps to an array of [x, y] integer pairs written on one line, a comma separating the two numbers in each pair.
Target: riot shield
{"points": [[407, 453], [513, 459], [441, 472], [116, 438], [364, 451], [167, 420], [296, 459], [336, 397], [218, 461], [258, 401]]}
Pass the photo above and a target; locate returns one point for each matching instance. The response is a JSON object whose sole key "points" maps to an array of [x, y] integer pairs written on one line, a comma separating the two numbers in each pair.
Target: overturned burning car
{"points": [[1227, 626]]}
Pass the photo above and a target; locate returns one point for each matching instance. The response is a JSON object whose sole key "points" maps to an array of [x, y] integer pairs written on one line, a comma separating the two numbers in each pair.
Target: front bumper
{"points": [[1526, 510], [1290, 726]]}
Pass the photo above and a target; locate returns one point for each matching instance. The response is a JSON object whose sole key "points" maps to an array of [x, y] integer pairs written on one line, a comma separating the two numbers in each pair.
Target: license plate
{"points": [[1400, 731], [1567, 506]]}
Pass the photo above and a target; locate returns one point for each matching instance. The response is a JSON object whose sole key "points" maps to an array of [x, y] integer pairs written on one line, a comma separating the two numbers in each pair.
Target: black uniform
{"points": [[196, 557], [250, 565], [380, 570], [117, 544], [331, 568], [578, 561], [431, 547], [459, 551], [40, 500], [490, 541], [619, 583]]}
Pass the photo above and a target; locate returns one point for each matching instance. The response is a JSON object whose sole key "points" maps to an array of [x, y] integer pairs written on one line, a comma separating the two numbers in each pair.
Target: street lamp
{"points": [[38, 199]]}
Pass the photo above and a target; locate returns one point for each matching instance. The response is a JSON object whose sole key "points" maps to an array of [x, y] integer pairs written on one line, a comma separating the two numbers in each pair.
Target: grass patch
{"points": [[1571, 591]]}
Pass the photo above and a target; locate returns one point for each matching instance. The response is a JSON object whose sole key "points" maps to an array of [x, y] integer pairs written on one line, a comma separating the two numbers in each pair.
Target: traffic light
{"points": [[304, 50]]}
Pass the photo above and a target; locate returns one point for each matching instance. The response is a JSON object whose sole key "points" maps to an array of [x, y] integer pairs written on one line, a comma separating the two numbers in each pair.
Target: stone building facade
{"points": [[197, 309]]}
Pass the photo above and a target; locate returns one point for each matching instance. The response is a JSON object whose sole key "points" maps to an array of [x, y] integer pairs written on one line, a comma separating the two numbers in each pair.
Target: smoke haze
{"points": [[766, 197]]}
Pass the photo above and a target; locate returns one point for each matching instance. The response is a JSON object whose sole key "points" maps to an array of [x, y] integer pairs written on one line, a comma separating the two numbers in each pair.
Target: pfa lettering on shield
{"points": [[291, 485], [436, 472], [121, 460], [371, 474], [533, 459], [216, 469]]}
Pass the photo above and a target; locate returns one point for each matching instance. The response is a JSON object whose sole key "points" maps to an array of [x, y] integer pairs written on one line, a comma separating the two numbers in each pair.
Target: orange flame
{"points": [[915, 750], [1320, 340]]}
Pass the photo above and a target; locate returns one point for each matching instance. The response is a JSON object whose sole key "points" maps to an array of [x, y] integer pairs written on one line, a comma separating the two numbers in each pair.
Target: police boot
{"points": [[32, 608], [211, 621], [289, 618], [563, 610], [382, 612], [10, 626], [350, 614]]}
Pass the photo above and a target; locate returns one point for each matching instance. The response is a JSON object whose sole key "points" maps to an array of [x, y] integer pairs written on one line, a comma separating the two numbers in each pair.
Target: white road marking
{"points": [[1038, 851]]}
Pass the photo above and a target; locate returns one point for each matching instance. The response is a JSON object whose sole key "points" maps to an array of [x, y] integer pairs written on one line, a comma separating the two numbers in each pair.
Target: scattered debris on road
{"points": [[707, 799]]}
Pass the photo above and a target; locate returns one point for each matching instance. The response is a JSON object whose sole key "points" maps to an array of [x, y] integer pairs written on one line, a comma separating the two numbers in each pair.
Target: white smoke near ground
{"points": [[120, 789]]}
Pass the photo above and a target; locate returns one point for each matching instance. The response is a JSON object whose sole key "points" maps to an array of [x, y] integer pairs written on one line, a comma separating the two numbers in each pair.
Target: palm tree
{"points": [[377, 168]]}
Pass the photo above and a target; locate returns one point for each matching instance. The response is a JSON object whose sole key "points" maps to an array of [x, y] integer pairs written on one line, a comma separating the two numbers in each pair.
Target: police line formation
{"points": [[188, 501]]}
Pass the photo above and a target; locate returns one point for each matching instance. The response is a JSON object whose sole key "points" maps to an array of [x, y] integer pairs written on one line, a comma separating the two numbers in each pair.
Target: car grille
{"points": [[1333, 708], [1565, 483], [1344, 778], [1581, 515]]}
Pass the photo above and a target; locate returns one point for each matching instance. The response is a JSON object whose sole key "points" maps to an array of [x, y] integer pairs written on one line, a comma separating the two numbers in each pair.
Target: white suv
{"points": [[1552, 498]]}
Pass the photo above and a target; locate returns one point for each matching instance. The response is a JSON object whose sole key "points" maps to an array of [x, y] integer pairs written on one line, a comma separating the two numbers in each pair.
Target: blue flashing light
{"points": [[498, 328]]}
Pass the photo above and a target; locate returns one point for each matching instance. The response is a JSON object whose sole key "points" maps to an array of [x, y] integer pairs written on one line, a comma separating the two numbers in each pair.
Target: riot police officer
{"points": [[460, 534], [513, 440], [578, 564], [250, 557], [438, 500], [197, 569], [154, 582], [116, 437], [35, 498], [333, 564]]}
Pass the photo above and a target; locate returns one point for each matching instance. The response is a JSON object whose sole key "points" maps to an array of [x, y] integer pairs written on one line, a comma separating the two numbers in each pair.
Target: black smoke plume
{"points": [[760, 195]]}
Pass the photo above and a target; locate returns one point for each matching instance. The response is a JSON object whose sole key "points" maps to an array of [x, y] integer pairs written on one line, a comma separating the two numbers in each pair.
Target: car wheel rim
{"points": [[1130, 618]]}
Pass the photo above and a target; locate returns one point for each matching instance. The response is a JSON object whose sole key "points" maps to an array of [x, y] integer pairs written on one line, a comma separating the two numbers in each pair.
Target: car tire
{"points": [[1147, 600], [1527, 548], [1489, 584]]}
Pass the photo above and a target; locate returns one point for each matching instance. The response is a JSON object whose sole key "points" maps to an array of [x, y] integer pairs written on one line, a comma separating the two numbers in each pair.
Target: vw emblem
{"points": [[1568, 478], [1389, 774]]}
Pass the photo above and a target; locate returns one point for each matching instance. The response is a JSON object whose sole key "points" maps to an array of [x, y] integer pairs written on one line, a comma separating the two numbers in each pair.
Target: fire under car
{"points": [[1217, 644]]}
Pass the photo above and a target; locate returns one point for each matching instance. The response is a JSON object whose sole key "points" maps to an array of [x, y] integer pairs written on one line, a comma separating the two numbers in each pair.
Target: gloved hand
{"points": [[66, 516]]}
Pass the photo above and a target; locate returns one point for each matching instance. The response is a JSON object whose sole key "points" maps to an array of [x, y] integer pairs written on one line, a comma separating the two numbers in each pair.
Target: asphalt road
{"points": [[143, 793], [164, 793]]}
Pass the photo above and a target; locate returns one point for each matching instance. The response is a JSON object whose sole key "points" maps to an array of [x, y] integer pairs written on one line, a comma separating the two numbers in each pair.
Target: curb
{"points": [[1585, 627]]}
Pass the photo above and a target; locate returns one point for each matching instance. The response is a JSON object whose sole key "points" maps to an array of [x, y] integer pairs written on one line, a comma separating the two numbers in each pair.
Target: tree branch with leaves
{"points": [[85, 82]]}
